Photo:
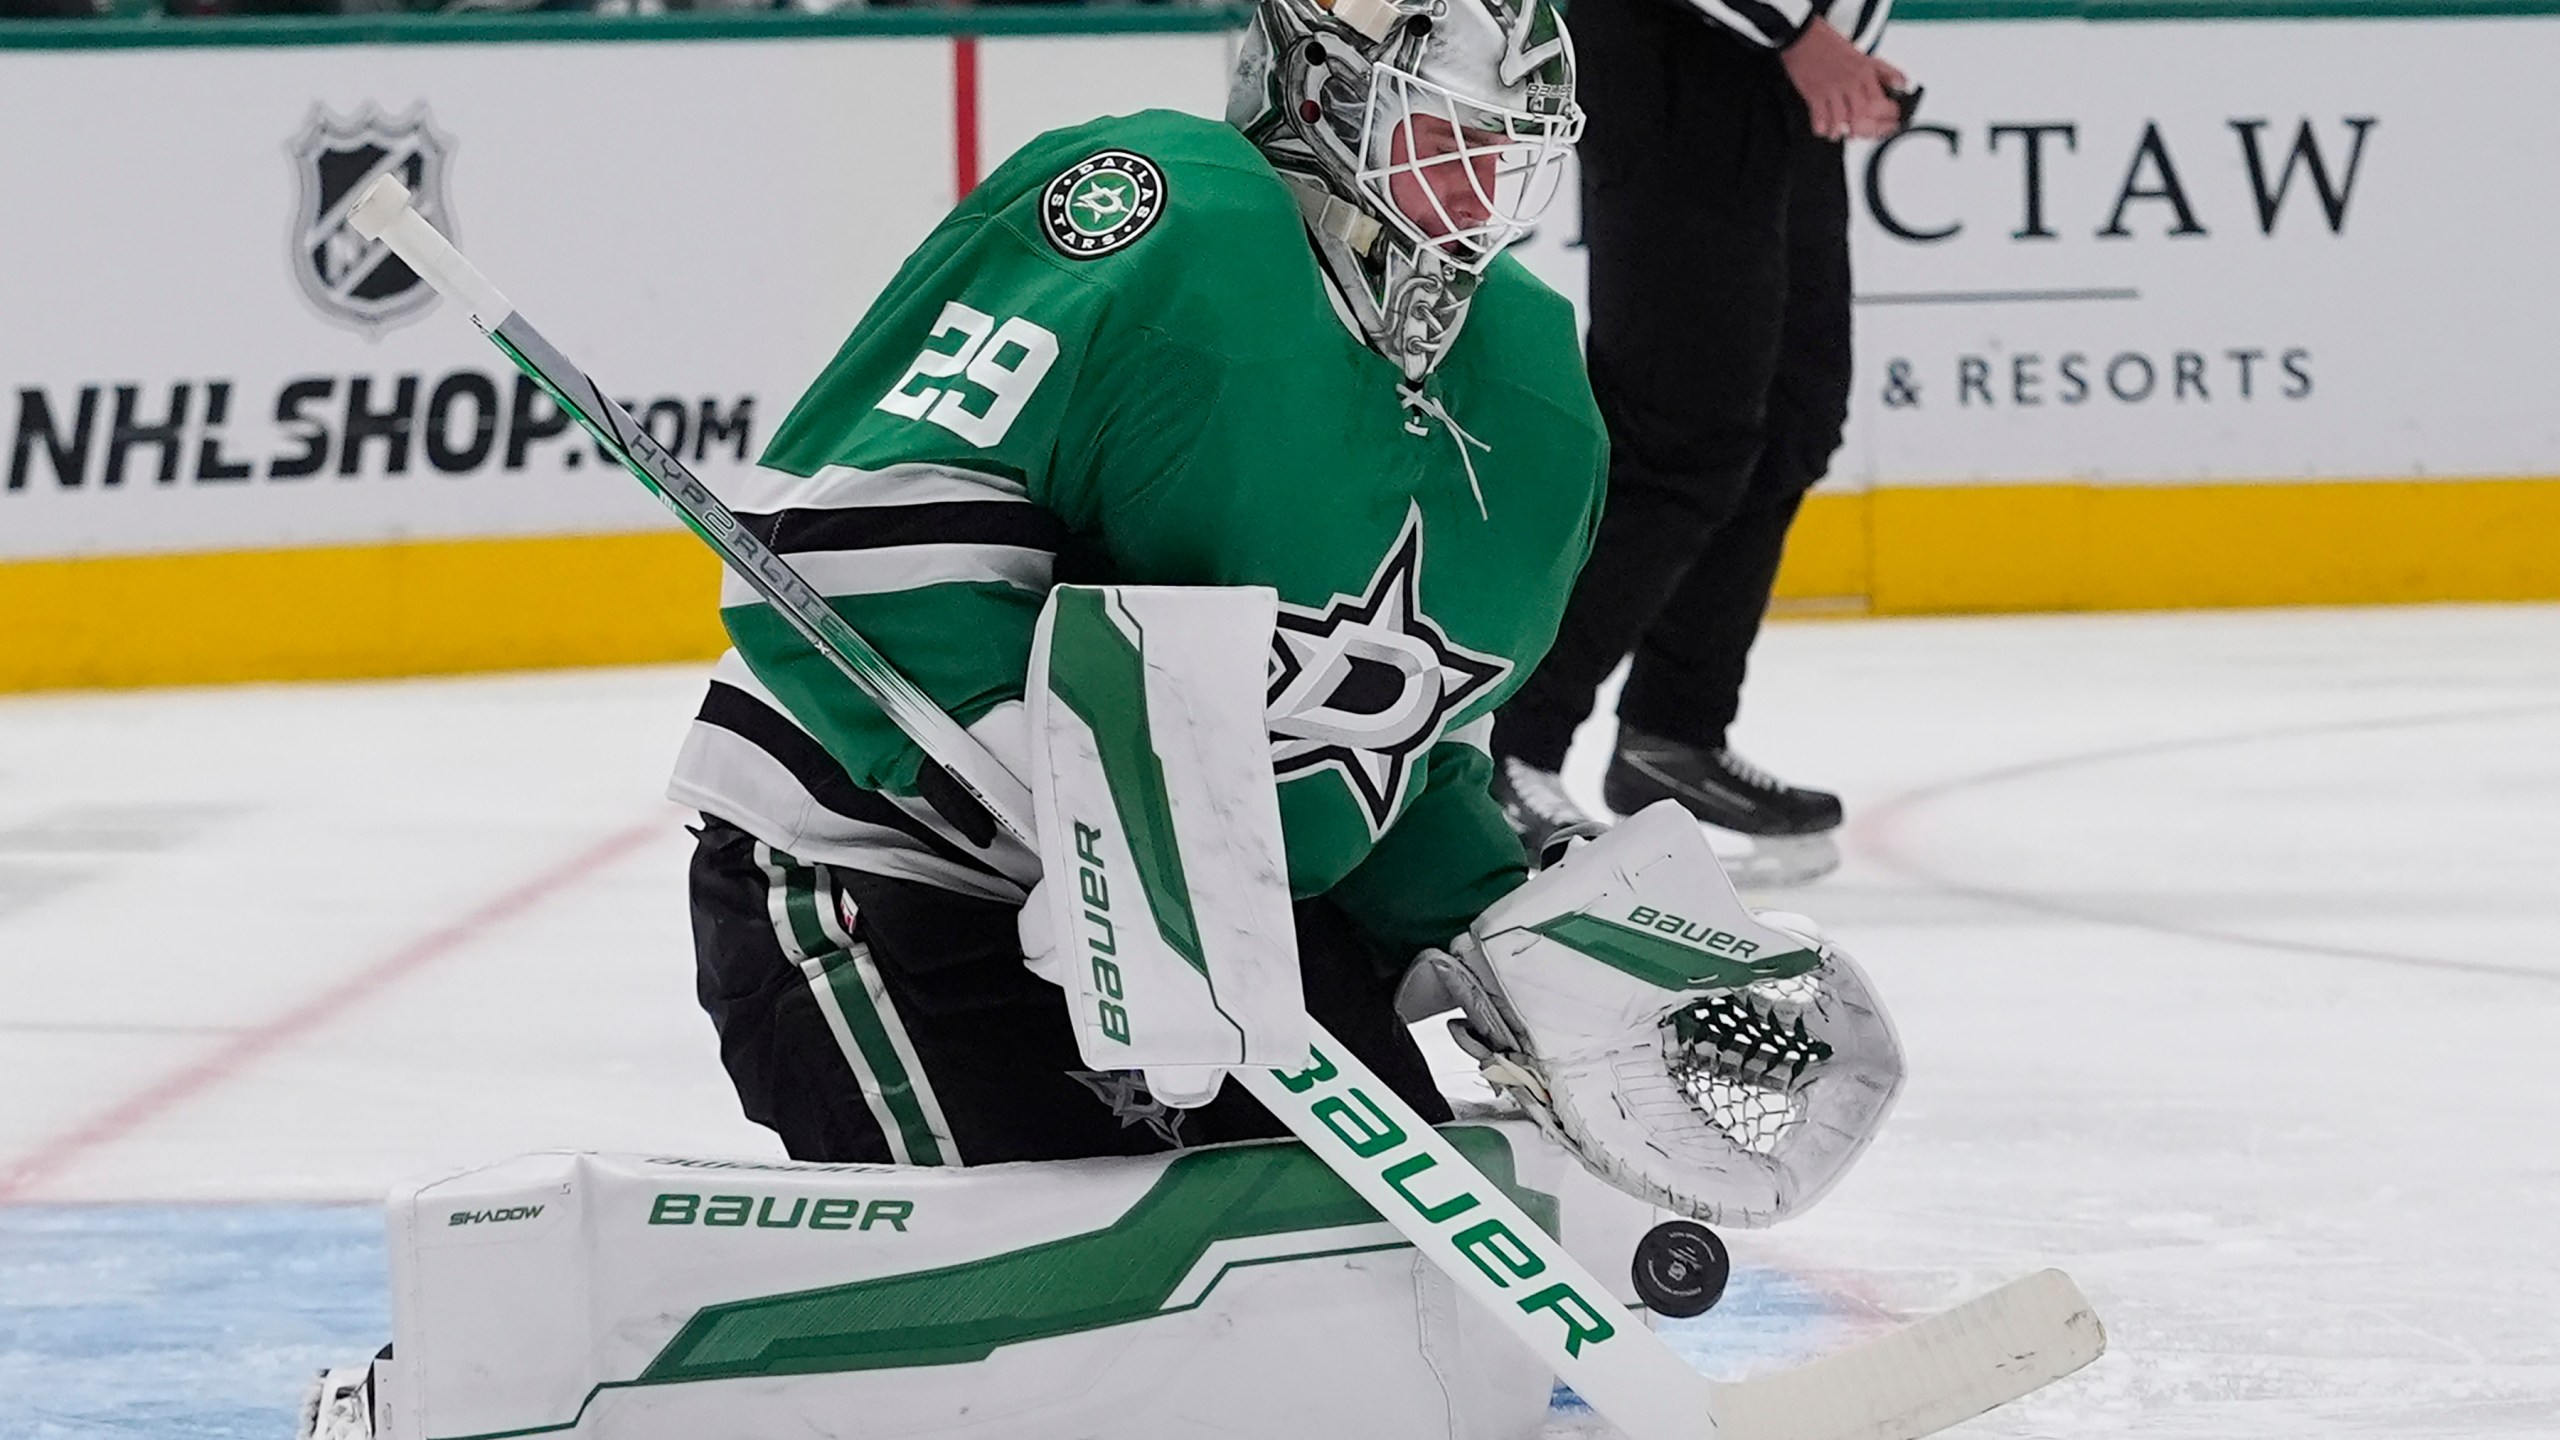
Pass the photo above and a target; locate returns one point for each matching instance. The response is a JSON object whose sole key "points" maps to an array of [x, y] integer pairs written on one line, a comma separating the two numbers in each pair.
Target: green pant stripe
{"points": [[891, 1024], [791, 903], [830, 918], [846, 991], [800, 902], [864, 1079], [777, 869]]}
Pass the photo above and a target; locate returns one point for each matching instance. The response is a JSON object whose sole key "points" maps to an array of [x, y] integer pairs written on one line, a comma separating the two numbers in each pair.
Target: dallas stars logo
{"points": [[1367, 685], [1102, 203], [1125, 1091]]}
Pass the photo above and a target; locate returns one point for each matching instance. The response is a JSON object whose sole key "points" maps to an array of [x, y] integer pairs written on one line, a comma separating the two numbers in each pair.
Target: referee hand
{"points": [[1843, 87]]}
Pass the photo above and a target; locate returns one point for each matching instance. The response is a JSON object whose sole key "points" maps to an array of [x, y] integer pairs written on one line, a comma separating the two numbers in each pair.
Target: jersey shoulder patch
{"points": [[1181, 200], [1102, 203]]}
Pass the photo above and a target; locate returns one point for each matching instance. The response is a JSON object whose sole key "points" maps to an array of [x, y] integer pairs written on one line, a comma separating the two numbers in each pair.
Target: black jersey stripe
{"points": [[799, 752], [886, 527], [1870, 25], [1773, 20], [1758, 21]]}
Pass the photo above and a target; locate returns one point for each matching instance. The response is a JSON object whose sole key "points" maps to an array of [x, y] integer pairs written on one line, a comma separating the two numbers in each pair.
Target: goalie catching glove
{"points": [[1726, 1065]]}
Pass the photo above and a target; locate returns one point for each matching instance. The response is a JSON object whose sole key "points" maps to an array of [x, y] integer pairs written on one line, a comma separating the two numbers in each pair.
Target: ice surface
{"points": [[2226, 948], [180, 1322]]}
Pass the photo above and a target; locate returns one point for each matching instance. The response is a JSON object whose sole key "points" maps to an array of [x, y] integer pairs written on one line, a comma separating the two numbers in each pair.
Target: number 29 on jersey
{"points": [[977, 387]]}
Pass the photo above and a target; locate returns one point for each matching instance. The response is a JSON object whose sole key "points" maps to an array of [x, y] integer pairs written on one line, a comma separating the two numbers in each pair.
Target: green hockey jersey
{"points": [[1118, 362]]}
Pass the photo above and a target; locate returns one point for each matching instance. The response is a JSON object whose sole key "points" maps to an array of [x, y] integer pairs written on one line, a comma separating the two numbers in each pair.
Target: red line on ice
{"points": [[190, 1081]]}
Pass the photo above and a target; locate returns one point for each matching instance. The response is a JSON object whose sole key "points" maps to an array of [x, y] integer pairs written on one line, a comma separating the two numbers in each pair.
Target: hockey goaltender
{"points": [[1206, 486]]}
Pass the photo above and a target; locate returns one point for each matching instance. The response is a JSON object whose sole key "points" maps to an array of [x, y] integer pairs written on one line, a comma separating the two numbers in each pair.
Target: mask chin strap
{"points": [[1345, 238], [1409, 305], [1331, 216]]}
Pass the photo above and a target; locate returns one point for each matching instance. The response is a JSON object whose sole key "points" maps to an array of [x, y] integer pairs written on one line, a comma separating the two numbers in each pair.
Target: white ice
{"points": [[2226, 948]]}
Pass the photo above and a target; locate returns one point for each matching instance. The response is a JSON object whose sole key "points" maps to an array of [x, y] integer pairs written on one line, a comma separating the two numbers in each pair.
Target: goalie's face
{"points": [[1460, 138], [1441, 177]]}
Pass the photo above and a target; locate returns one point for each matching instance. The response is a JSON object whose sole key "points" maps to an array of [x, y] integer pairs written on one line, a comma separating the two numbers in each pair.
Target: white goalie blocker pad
{"points": [[1238, 1292], [1164, 899], [1704, 1057]]}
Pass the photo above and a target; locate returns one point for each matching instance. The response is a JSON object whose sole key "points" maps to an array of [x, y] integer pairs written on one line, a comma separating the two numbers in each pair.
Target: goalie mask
{"points": [[1421, 138]]}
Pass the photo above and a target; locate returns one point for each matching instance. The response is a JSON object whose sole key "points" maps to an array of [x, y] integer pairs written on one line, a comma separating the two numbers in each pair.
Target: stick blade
{"points": [[1928, 1375]]}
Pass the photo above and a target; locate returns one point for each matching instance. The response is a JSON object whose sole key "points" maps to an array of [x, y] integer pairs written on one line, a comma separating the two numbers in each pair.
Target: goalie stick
{"points": [[1908, 1383]]}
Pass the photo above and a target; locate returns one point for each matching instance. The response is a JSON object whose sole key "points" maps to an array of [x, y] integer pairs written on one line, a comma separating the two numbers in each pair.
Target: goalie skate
{"points": [[339, 1404]]}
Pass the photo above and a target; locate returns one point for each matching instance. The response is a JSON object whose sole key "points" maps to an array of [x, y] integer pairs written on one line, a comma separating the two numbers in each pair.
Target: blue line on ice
{"points": [[201, 1321], [1768, 1319], [206, 1321]]}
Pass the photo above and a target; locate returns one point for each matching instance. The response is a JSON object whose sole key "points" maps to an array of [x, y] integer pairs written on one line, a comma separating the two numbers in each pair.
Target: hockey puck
{"points": [[1680, 1269]]}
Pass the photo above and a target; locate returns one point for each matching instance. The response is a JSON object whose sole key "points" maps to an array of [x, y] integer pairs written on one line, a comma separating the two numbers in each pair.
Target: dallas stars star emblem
{"points": [[1102, 204], [1365, 686], [1125, 1091]]}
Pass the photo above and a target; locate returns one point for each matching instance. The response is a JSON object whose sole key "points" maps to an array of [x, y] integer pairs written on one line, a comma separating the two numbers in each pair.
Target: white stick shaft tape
{"points": [[385, 214]]}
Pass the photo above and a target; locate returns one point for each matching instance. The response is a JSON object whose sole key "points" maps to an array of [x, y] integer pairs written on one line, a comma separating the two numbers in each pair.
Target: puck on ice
{"points": [[1680, 1269]]}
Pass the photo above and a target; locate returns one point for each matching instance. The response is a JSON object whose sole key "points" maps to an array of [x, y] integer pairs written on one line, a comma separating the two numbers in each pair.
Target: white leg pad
{"points": [[1236, 1292]]}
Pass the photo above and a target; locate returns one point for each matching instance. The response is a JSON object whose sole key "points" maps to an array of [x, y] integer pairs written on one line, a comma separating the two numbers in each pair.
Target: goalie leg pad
{"points": [[1239, 1291]]}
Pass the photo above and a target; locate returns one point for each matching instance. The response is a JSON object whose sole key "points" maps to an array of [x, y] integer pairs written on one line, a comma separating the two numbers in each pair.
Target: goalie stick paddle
{"points": [[1909, 1383]]}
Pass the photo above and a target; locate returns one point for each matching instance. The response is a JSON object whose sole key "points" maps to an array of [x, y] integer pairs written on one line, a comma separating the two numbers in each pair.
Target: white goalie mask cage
{"points": [[1447, 121]]}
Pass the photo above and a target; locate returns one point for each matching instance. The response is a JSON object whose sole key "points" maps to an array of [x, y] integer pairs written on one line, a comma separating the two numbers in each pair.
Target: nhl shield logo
{"points": [[353, 280]]}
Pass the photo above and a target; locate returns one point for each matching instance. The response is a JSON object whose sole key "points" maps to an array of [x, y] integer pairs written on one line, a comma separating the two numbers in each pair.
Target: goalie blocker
{"points": [[1163, 908]]}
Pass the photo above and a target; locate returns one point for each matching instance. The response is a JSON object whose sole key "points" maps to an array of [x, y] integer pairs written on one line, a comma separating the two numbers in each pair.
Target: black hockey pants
{"points": [[866, 1019], [1719, 350]]}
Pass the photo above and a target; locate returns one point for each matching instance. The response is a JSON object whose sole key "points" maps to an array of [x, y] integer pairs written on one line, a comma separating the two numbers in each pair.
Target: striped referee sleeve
{"points": [[1866, 30], [1776, 23]]}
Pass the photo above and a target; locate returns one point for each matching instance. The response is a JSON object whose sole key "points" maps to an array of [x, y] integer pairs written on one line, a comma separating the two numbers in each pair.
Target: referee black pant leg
{"points": [[914, 1034], [1685, 682], [1686, 169]]}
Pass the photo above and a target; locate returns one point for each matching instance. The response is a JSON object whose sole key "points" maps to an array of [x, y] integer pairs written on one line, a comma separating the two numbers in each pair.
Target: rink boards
{"points": [[2153, 313]]}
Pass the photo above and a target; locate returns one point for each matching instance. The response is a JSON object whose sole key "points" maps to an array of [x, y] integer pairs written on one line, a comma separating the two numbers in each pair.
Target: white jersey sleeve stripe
{"points": [[842, 486], [746, 761], [908, 567]]}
